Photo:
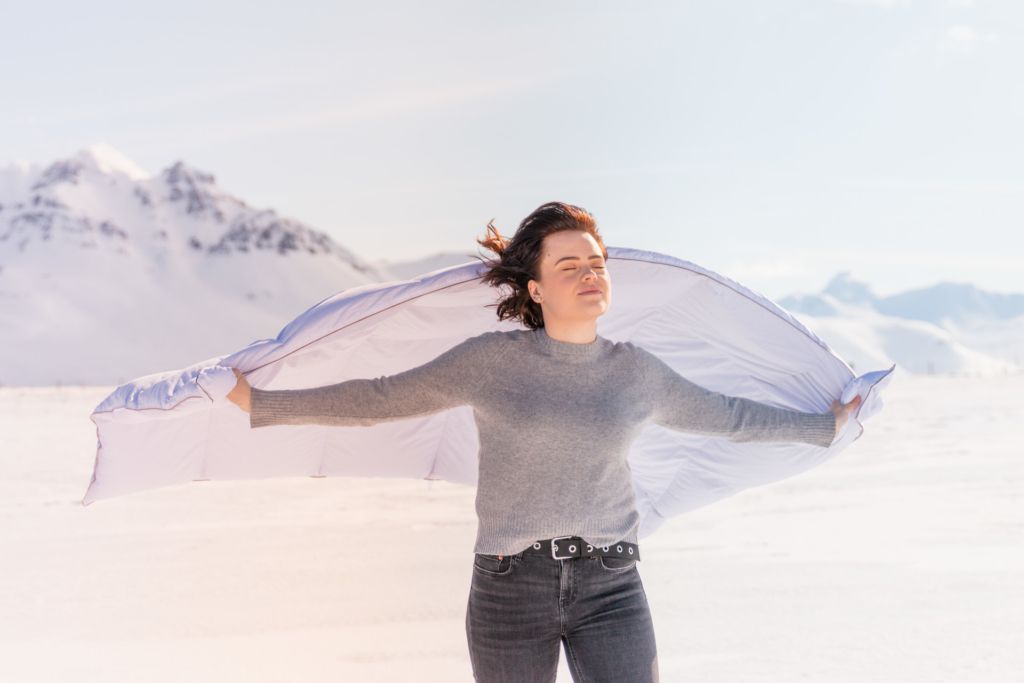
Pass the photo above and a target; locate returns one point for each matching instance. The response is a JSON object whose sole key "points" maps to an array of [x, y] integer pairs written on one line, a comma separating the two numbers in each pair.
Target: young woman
{"points": [[556, 407]]}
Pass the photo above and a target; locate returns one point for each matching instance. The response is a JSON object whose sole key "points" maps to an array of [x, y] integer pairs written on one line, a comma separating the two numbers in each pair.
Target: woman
{"points": [[556, 407]]}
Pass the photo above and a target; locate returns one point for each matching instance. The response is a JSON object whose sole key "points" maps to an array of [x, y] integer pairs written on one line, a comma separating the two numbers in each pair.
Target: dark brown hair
{"points": [[518, 259]]}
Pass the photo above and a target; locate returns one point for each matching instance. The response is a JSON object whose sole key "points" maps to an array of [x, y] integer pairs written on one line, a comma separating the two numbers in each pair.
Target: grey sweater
{"points": [[555, 422]]}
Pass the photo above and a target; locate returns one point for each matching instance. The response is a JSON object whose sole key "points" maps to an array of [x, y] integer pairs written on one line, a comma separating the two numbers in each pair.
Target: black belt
{"points": [[565, 547]]}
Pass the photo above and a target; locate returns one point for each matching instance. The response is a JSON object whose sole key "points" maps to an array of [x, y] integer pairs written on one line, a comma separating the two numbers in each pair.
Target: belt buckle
{"points": [[553, 547]]}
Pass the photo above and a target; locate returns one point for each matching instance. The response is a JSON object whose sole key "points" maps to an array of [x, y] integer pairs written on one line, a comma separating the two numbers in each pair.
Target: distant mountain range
{"points": [[109, 273], [942, 304], [946, 328]]}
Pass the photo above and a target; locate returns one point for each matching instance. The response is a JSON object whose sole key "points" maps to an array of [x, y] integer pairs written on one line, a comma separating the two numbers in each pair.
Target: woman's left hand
{"points": [[842, 411]]}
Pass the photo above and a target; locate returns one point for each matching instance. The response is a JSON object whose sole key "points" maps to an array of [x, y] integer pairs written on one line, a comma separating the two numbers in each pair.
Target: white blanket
{"points": [[175, 427]]}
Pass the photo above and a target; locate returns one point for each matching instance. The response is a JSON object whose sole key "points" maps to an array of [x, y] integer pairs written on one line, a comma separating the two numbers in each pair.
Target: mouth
{"points": [[591, 291]]}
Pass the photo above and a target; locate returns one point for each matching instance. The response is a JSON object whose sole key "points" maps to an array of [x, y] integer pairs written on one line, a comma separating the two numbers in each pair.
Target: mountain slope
{"points": [[955, 329], [107, 272]]}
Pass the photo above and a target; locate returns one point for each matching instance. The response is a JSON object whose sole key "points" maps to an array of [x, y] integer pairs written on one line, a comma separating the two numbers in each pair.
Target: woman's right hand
{"points": [[241, 394], [842, 411]]}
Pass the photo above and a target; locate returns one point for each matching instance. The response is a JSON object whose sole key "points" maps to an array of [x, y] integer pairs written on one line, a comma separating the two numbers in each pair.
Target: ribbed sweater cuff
{"points": [[268, 407], [818, 429]]}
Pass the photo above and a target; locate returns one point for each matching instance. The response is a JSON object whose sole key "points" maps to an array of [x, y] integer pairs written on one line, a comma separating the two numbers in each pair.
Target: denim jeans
{"points": [[523, 607]]}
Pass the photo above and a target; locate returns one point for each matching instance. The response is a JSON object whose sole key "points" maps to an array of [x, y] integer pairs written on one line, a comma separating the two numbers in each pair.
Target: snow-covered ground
{"points": [[900, 560]]}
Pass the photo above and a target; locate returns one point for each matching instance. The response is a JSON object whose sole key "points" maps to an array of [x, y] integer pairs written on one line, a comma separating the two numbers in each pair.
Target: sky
{"points": [[777, 143]]}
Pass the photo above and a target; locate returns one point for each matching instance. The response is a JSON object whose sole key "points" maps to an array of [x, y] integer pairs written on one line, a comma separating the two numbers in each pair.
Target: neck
{"points": [[573, 333]]}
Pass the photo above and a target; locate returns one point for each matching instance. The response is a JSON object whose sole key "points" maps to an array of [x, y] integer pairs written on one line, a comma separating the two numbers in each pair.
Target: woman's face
{"points": [[571, 268]]}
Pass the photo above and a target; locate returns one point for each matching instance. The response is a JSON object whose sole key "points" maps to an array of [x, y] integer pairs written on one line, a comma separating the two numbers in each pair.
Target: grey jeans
{"points": [[523, 607]]}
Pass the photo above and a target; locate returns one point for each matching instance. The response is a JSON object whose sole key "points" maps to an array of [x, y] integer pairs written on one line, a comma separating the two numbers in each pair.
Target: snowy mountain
{"points": [[108, 272], [944, 303], [946, 328]]}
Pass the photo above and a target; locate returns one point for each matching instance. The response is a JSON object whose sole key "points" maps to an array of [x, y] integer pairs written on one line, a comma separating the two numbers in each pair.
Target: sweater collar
{"points": [[570, 351]]}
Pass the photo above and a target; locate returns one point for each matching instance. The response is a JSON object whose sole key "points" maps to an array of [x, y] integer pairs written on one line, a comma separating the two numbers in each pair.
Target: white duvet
{"points": [[176, 427]]}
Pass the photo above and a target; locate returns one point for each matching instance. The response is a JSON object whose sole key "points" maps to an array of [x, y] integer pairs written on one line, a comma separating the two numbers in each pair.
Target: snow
{"points": [[110, 254], [898, 561], [109, 160], [865, 337]]}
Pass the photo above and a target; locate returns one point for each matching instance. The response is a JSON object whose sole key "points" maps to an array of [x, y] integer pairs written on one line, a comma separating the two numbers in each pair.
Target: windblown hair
{"points": [[518, 259]]}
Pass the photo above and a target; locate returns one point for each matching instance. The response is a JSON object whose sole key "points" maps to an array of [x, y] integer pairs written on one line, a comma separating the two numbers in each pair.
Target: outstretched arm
{"points": [[683, 405], [443, 382]]}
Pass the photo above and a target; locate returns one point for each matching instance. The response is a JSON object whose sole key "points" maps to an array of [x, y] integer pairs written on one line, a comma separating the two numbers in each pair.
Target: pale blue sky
{"points": [[774, 142]]}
